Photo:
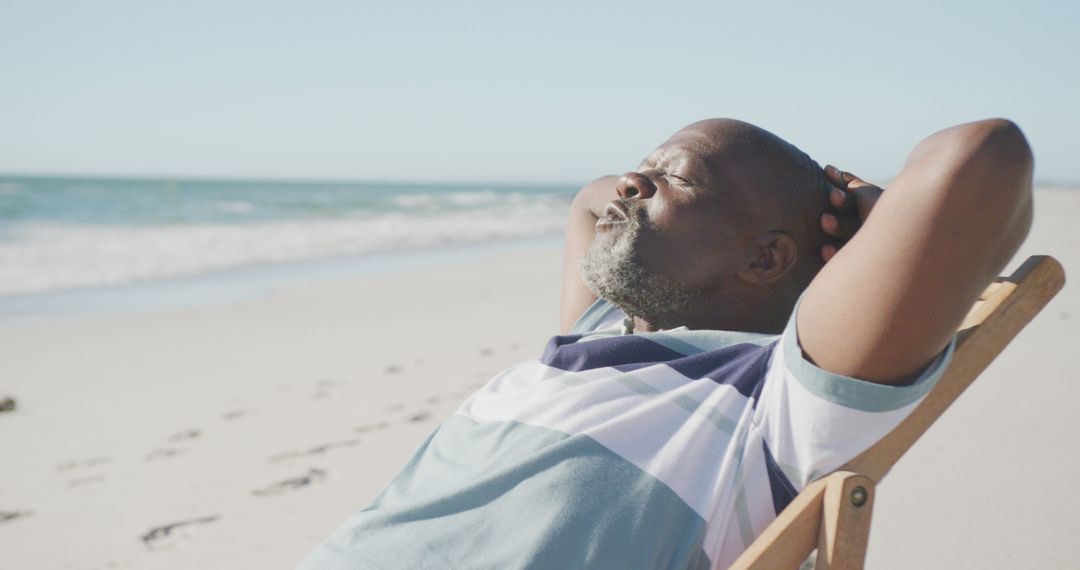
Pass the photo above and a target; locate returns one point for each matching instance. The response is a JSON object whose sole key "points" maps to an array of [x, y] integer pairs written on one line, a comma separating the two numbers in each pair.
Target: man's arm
{"points": [[588, 206], [892, 298]]}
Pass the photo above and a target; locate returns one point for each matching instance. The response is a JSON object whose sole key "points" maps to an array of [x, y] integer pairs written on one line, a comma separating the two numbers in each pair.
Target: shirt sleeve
{"points": [[813, 421]]}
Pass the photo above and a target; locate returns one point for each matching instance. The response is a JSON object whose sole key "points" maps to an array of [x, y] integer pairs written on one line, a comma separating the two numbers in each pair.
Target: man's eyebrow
{"points": [[676, 158], [661, 155], [651, 159], [682, 161]]}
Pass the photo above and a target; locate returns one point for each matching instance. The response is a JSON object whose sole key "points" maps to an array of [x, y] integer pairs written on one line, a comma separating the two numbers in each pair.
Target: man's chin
{"points": [[609, 233], [633, 289]]}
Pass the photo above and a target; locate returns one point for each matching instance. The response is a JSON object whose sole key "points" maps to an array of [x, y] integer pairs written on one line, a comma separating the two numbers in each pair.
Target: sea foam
{"points": [[47, 251]]}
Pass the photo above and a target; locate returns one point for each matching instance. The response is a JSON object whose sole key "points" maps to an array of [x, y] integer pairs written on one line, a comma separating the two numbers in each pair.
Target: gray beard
{"points": [[614, 273]]}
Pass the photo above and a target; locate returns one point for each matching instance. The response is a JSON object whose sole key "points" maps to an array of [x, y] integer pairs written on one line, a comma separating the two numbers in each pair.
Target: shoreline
{"points": [[239, 284]]}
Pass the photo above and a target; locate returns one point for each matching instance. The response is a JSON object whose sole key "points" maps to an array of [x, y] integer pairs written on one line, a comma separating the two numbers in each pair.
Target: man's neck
{"points": [[745, 316]]}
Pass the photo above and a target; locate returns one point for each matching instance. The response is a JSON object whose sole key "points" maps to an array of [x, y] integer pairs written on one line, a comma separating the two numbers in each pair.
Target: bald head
{"points": [[718, 228], [783, 188]]}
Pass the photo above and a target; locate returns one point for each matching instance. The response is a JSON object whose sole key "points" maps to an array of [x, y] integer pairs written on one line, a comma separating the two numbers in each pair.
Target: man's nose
{"points": [[635, 185]]}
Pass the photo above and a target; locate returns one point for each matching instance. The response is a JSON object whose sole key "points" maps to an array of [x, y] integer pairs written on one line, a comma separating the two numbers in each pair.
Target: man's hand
{"points": [[850, 202]]}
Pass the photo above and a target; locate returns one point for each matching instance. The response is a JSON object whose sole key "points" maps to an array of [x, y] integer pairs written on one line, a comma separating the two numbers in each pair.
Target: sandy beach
{"points": [[238, 435]]}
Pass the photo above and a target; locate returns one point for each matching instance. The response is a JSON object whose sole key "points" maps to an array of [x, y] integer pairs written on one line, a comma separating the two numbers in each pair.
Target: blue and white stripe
{"points": [[671, 449]]}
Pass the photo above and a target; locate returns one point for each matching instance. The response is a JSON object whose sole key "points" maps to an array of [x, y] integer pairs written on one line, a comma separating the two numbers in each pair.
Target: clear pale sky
{"points": [[501, 91]]}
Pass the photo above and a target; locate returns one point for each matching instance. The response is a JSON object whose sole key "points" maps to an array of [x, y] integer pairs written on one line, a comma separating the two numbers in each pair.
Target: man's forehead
{"points": [[692, 148], [692, 139], [684, 144], [716, 136]]}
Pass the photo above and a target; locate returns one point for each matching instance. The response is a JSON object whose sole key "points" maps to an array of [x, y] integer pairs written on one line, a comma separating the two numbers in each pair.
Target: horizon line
{"points": [[1044, 183], [282, 180]]}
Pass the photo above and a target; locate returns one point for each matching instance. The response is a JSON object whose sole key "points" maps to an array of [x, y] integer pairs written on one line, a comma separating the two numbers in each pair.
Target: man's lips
{"points": [[613, 214]]}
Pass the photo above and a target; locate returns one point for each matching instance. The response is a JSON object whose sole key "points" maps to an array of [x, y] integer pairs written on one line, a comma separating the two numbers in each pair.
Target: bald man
{"points": [[738, 324]]}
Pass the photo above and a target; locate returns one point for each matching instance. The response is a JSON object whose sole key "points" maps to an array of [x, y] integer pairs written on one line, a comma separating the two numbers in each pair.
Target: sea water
{"points": [[64, 233]]}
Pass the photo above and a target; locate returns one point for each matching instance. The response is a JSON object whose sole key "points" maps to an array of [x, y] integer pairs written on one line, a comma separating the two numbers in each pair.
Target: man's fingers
{"points": [[843, 202], [835, 176], [844, 180], [828, 251], [839, 227]]}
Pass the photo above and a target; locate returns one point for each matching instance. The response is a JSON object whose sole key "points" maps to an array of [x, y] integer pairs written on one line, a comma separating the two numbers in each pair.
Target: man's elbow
{"points": [[594, 196], [988, 160], [1006, 162], [977, 152], [979, 174], [1012, 160], [1007, 142]]}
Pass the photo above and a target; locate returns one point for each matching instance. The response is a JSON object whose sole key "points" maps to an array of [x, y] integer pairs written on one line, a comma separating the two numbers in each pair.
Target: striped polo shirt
{"points": [[670, 449]]}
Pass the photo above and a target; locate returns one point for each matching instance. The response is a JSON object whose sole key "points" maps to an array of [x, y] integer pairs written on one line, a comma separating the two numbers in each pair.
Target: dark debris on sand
{"points": [[316, 450], [8, 516], [291, 484], [159, 533]]}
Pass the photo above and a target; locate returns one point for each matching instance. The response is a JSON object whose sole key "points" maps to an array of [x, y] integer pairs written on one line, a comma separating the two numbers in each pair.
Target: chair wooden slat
{"points": [[1009, 308], [815, 516], [796, 530], [846, 509]]}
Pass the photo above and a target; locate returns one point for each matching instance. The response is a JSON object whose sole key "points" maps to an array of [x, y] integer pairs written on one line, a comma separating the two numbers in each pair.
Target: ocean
{"points": [[60, 234]]}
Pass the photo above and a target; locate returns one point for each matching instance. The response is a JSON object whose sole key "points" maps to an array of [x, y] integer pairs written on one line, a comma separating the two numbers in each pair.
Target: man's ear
{"points": [[773, 255]]}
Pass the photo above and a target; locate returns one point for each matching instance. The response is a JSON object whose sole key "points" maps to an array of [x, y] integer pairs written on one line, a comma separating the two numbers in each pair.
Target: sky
{"points": [[536, 92]]}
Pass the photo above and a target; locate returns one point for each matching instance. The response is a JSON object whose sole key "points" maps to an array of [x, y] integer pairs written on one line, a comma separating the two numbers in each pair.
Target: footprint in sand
{"points": [[317, 450], [313, 475], [86, 480], [172, 451], [421, 416], [83, 463], [234, 414], [371, 427], [322, 387], [161, 536], [8, 516], [393, 369], [163, 452], [486, 351], [184, 435]]}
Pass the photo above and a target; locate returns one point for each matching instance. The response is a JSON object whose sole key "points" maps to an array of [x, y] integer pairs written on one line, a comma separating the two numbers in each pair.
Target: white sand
{"points": [[129, 423]]}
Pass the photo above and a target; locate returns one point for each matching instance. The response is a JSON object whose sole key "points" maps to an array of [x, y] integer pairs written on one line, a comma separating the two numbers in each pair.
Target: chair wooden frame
{"points": [[833, 513]]}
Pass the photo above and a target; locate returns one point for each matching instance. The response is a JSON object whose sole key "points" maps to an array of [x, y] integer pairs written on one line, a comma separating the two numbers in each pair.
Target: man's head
{"points": [[717, 229]]}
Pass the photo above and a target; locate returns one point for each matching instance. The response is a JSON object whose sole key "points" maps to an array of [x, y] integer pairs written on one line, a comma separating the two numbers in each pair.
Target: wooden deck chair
{"points": [[833, 513]]}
